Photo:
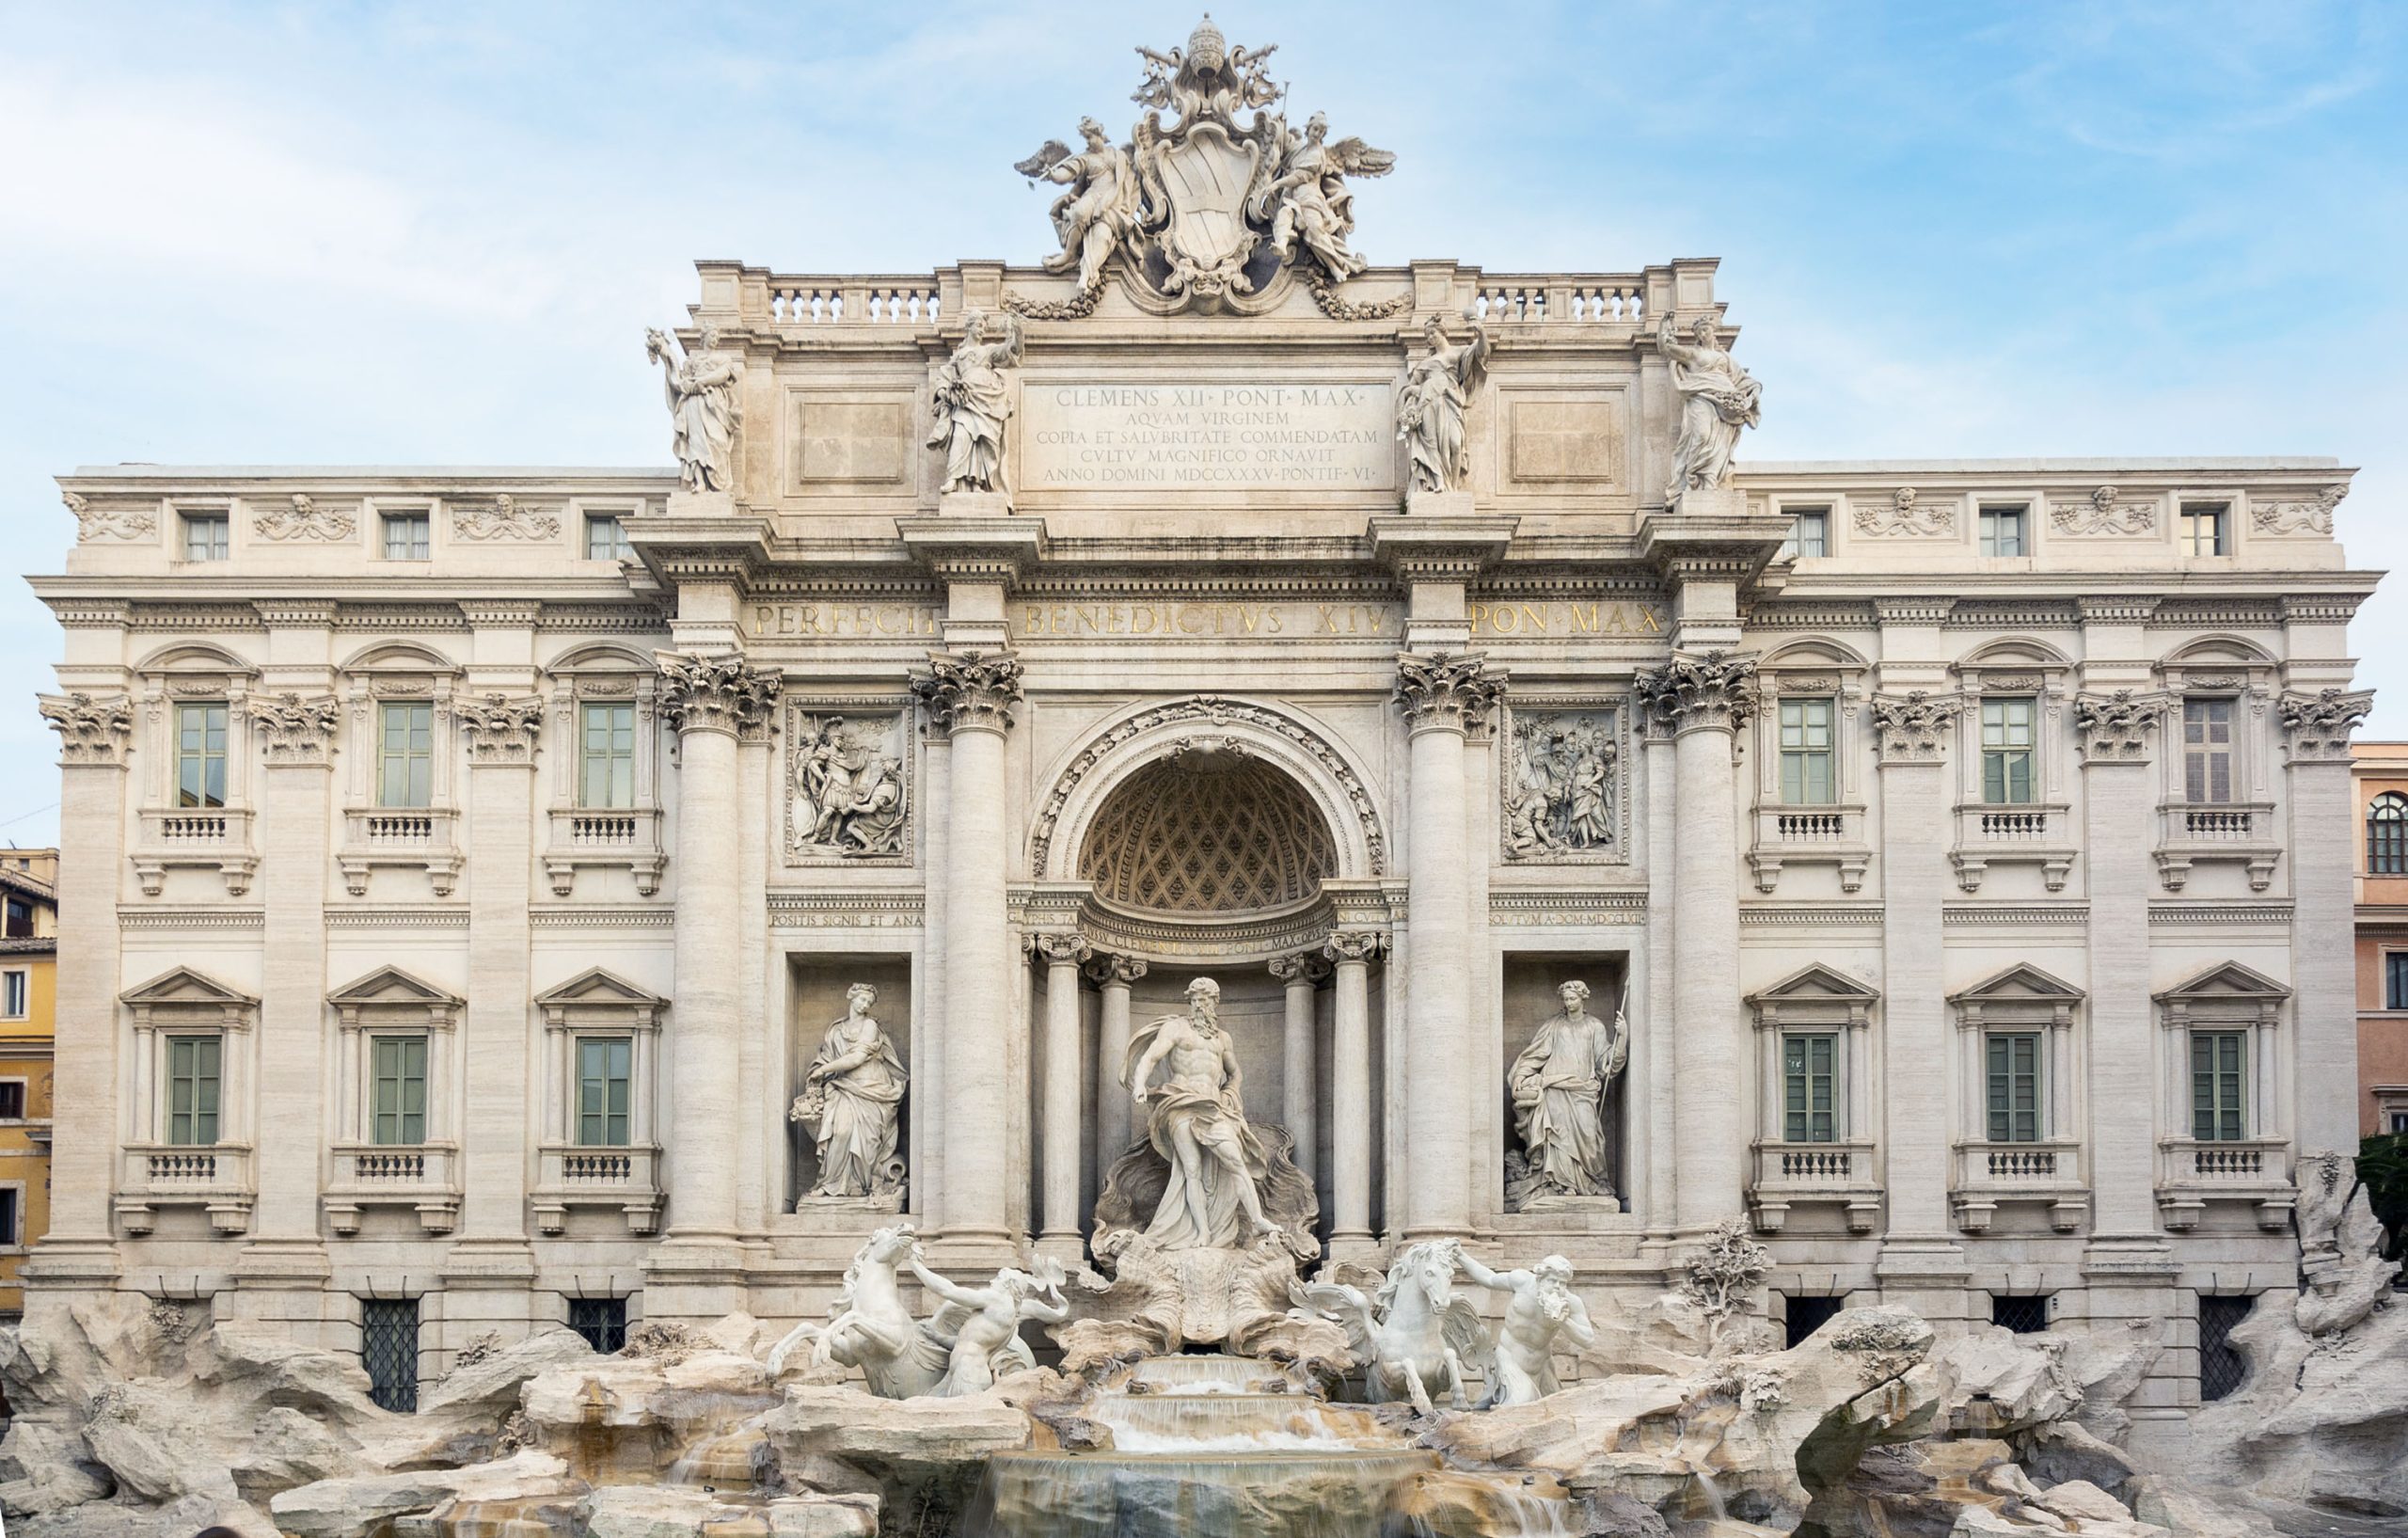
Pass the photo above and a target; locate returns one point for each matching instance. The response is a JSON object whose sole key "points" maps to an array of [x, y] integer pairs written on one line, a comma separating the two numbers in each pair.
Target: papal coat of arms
{"points": [[1214, 194]]}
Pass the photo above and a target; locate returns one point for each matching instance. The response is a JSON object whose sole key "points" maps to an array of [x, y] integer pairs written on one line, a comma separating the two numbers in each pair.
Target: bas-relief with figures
{"points": [[1238, 820]]}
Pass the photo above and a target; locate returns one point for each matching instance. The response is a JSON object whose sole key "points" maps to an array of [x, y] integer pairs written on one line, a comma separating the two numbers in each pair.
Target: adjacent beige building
{"points": [[463, 866], [2379, 776]]}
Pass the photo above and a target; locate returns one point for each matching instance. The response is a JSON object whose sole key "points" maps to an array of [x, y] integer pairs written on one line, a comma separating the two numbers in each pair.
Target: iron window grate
{"points": [[1807, 1315], [602, 1321], [2025, 1313], [2222, 1368], [388, 1349]]}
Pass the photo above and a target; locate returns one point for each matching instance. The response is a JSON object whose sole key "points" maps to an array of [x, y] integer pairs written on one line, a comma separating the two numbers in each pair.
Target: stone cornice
{"points": [[500, 613], [92, 728], [969, 690], [1439, 549], [973, 549], [296, 613]]}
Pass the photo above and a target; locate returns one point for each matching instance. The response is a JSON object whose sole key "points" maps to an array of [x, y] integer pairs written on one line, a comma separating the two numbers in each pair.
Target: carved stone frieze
{"points": [[499, 729], [1905, 515], [504, 519], [2311, 517], [970, 690], [1562, 791], [296, 729], [1709, 690], [2113, 728], [1453, 692], [92, 729], [849, 785], [302, 518], [2316, 727], [2103, 513], [720, 691], [1914, 726], [118, 523]]}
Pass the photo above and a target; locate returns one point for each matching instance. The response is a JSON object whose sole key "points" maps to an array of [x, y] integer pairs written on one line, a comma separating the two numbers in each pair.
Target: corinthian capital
{"points": [[718, 692], [500, 730], [92, 729], [1709, 690], [1452, 691], [2316, 727], [1914, 726], [298, 731], [969, 692], [2113, 728]]}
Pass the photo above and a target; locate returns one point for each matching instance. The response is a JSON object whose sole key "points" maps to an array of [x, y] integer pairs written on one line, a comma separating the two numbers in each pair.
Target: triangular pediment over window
{"points": [[600, 986], [1816, 984], [391, 985], [186, 986], [2230, 980], [2017, 985]]}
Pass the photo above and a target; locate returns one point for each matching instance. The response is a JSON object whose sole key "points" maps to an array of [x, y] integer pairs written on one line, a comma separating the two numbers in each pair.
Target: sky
{"points": [[434, 233]]}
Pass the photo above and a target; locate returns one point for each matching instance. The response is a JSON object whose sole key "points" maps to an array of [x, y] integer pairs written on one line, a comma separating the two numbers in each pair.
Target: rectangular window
{"points": [[602, 1321], [2399, 1124], [12, 1100], [1806, 769], [2025, 1313], [604, 1064], [388, 1350], [207, 536], [1804, 1316], [407, 537], [606, 538], [2002, 530], [21, 919], [2014, 1092], [1810, 531], [2203, 529], [16, 997], [2207, 752], [11, 1225], [398, 1097], [2219, 1078], [607, 742], [406, 755], [200, 754], [2395, 979], [2222, 1367], [193, 1064], [2007, 737], [1808, 1091]]}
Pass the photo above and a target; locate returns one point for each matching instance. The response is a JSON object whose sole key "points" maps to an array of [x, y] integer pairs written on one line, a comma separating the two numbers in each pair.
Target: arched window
{"points": [[2387, 834]]}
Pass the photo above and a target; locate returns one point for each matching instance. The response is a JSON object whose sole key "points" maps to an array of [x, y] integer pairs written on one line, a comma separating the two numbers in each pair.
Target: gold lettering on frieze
{"points": [[1551, 619], [1081, 619], [852, 621]]}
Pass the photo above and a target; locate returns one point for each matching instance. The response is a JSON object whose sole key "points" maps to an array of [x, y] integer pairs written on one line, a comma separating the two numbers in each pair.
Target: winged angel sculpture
{"points": [[1215, 191]]}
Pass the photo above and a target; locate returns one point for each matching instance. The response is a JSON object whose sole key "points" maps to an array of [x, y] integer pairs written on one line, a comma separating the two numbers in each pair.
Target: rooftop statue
{"points": [[1213, 194], [1717, 398], [972, 399], [704, 408], [1437, 393]]}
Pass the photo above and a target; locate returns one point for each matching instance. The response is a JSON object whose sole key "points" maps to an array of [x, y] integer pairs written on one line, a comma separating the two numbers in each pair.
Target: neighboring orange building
{"points": [[28, 965], [2379, 771]]}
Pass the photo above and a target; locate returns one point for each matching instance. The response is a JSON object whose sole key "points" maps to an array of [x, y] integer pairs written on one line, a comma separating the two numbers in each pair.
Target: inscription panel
{"points": [[1229, 434]]}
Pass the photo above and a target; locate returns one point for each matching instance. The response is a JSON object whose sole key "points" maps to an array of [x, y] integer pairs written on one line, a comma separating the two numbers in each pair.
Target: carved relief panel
{"points": [[849, 781], [1560, 792]]}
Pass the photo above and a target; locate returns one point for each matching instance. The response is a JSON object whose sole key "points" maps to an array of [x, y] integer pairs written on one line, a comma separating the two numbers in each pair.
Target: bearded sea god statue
{"points": [[1198, 1124], [1558, 1085]]}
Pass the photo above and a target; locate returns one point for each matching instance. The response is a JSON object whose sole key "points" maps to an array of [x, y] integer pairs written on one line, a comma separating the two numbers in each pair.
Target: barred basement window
{"points": [[2221, 1369], [388, 1350], [602, 1321], [2025, 1313], [1807, 1315]]}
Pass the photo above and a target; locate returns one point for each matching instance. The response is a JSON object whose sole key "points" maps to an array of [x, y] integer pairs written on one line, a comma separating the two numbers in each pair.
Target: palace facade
{"points": [[462, 868]]}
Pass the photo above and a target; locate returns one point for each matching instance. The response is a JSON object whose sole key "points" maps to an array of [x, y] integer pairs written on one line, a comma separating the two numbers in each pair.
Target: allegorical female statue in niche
{"points": [[1559, 1084], [852, 1091]]}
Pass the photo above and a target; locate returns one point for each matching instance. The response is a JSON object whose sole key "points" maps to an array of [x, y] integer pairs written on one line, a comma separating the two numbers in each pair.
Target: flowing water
{"points": [[1211, 1446]]}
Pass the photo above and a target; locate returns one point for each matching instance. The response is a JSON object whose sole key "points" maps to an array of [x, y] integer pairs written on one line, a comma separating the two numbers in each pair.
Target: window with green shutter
{"points": [[1810, 1089], [1807, 778], [604, 1069], [2219, 1079], [406, 755], [398, 1113], [606, 745], [2006, 751], [2013, 1093], [192, 1067]]}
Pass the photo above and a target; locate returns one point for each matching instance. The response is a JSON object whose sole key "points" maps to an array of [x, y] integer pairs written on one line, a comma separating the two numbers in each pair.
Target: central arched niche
{"points": [[1208, 830]]}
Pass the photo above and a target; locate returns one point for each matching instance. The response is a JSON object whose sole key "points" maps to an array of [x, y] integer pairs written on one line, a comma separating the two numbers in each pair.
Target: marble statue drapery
{"points": [[1559, 1084], [1717, 398], [854, 1087]]}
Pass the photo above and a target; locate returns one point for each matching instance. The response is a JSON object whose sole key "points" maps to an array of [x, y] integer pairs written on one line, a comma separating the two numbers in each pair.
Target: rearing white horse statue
{"points": [[1416, 1338]]}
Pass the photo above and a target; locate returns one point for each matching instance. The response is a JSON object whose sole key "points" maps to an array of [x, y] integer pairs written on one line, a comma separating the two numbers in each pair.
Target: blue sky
{"points": [[388, 235]]}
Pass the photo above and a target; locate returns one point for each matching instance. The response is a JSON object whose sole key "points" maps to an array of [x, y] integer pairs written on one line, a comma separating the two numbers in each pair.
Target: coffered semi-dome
{"points": [[1208, 833]]}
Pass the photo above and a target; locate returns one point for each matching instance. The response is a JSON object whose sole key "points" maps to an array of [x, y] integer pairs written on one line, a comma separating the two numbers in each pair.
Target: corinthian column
{"points": [[2316, 743], [1702, 699], [1299, 1096], [1350, 954], [1913, 731], [297, 736], [1442, 696], [1113, 974], [709, 700], [971, 696], [1063, 954]]}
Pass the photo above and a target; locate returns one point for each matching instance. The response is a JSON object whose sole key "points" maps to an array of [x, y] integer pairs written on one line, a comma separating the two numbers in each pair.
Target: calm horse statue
{"points": [[1416, 1339]]}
